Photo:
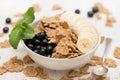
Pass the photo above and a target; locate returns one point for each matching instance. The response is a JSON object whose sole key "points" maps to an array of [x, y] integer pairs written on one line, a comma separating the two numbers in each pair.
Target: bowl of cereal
{"points": [[62, 42]]}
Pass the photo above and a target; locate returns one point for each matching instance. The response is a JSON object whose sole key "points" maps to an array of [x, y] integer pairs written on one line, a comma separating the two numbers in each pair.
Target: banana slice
{"points": [[85, 44], [87, 34]]}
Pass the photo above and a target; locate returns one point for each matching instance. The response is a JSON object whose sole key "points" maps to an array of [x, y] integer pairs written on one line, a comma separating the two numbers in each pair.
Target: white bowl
{"points": [[61, 64]]}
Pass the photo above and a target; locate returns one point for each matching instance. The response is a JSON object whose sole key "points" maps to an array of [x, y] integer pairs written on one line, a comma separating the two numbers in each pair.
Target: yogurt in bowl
{"points": [[68, 53]]}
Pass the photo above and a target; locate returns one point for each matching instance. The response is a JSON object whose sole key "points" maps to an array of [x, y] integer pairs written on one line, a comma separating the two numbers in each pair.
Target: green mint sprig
{"points": [[22, 29]]}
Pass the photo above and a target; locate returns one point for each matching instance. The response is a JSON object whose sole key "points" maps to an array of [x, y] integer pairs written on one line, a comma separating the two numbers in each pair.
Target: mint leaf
{"points": [[28, 32], [22, 29], [15, 37], [29, 15]]}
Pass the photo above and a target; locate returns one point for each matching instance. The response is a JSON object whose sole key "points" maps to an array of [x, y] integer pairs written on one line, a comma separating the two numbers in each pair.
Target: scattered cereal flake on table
{"points": [[102, 39], [98, 16], [19, 15], [41, 73], [28, 60], [65, 78], [103, 78], [110, 63], [117, 52], [1, 34], [92, 63], [30, 71], [110, 21], [56, 7], [2, 70], [89, 78], [36, 7], [4, 44], [73, 73], [84, 69], [102, 9], [97, 59], [48, 79], [13, 24], [14, 65]]}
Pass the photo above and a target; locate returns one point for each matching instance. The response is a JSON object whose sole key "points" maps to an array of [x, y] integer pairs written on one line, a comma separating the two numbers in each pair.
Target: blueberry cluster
{"points": [[8, 21], [94, 10], [39, 44]]}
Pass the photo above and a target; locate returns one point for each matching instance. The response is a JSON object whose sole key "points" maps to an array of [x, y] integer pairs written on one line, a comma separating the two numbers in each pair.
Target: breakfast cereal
{"points": [[41, 73], [102, 39], [98, 16], [4, 44], [56, 7], [27, 60], [30, 71], [19, 15], [14, 65], [13, 24], [97, 60], [36, 7], [110, 63], [117, 52], [1, 34], [59, 33], [103, 10], [89, 78], [2, 70], [65, 78]]}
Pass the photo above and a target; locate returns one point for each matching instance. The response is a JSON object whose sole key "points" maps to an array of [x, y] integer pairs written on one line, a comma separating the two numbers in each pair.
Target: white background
{"points": [[8, 8]]}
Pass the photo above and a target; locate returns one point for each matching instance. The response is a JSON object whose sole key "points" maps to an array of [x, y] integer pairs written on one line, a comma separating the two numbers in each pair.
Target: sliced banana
{"points": [[87, 34], [85, 44]]}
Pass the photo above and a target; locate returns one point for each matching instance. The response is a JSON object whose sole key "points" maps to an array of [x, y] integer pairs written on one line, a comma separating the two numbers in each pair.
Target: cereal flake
{"points": [[14, 65], [28, 60], [30, 71], [2, 70], [56, 7], [117, 52]]}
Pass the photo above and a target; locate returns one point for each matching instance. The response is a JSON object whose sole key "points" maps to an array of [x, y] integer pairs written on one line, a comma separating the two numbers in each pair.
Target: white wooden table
{"points": [[8, 8]]}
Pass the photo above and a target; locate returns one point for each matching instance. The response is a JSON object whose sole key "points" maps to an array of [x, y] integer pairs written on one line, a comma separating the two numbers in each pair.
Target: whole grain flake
{"points": [[110, 63], [117, 52], [102, 39], [56, 7], [4, 44], [30, 71], [19, 15], [2, 70], [14, 65], [1, 34], [97, 60], [41, 73], [36, 7], [28, 60]]}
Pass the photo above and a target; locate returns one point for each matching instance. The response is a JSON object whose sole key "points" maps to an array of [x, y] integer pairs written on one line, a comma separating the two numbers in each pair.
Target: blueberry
{"points": [[36, 41], [41, 35], [46, 37], [44, 41], [38, 47], [5, 29], [49, 47], [77, 11], [36, 51], [30, 46], [95, 9], [90, 14], [42, 51], [53, 44], [28, 41], [8, 20]]}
